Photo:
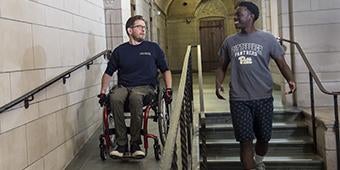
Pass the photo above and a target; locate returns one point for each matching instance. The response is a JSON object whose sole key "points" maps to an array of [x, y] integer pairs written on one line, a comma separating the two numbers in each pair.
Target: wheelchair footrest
{"points": [[127, 157], [112, 131]]}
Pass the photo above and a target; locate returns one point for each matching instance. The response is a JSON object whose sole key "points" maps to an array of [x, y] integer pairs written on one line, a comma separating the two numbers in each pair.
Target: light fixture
{"points": [[188, 20]]}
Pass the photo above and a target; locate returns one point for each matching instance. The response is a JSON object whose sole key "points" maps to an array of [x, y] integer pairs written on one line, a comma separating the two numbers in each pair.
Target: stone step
{"points": [[298, 162], [277, 147], [291, 146], [280, 130], [278, 116]]}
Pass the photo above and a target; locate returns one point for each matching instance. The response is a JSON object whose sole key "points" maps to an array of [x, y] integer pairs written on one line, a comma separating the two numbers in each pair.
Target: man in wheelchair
{"points": [[137, 62]]}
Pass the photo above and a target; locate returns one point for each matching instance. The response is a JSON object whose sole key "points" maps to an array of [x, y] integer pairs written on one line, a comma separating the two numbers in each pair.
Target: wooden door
{"points": [[211, 37]]}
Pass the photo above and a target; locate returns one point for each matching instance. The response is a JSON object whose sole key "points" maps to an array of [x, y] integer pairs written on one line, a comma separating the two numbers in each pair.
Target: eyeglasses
{"points": [[140, 27]]}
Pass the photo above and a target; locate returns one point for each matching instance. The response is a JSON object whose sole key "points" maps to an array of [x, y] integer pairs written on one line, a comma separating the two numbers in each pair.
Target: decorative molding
{"points": [[211, 8], [109, 4]]}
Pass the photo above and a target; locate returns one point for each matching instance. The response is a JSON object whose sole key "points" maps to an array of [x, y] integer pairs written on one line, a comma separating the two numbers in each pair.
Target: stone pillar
{"points": [[117, 13]]}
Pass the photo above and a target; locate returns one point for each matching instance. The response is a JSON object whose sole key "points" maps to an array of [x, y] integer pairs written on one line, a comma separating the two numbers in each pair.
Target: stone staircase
{"points": [[291, 147]]}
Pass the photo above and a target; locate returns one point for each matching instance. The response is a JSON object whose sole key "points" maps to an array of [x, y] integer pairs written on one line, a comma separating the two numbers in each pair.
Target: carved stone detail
{"points": [[211, 8]]}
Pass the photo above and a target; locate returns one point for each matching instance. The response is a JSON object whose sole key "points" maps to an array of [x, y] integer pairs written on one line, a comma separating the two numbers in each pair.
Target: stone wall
{"points": [[39, 40], [316, 25]]}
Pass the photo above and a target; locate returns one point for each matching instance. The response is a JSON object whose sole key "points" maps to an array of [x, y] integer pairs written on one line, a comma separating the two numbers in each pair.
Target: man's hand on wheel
{"points": [[102, 99], [167, 95]]}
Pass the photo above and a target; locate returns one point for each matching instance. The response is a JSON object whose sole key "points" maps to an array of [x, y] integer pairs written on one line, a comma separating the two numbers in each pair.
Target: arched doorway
{"points": [[212, 19], [211, 38]]}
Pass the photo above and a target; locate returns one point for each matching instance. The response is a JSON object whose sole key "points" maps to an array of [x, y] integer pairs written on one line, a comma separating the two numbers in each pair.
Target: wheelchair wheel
{"points": [[157, 151], [105, 139], [163, 119], [103, 148]]}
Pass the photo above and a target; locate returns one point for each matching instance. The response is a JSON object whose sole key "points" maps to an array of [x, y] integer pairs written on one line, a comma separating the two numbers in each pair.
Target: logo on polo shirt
{"points": [[145, 53]]}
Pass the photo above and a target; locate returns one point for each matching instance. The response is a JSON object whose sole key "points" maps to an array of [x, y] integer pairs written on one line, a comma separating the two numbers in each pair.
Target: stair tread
{"points": [[300, 140], [276, 111], [298, 158], [275, 125], [291, 145]]}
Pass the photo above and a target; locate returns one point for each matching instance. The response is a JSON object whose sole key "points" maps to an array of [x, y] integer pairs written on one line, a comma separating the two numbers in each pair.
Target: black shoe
{"points": [[136, 151], [119, 151]]}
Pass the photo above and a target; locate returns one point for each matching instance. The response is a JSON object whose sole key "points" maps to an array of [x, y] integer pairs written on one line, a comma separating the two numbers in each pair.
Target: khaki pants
{"points": [[134, 95]]}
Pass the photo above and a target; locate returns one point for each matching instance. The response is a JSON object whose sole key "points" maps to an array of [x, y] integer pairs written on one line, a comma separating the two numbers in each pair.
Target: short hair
{"points": [[251, 7], [131, 21]]}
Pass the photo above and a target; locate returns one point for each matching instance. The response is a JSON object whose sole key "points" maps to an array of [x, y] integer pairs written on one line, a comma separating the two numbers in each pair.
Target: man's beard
{"points": [[138, 39]]}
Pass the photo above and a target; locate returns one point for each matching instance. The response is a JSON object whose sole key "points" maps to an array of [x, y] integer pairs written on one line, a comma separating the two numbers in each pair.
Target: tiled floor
{"points": [[88, 158]]}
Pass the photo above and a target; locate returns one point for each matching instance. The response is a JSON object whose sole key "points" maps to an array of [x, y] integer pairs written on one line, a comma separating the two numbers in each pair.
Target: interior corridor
{"points": [[89, 159]]}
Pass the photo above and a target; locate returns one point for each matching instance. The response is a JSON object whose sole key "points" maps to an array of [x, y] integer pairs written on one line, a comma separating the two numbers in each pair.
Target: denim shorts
{"points": [[252, 119]]}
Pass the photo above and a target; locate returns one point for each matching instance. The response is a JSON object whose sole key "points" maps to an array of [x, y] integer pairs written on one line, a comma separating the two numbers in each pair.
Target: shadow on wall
{"points": [[18, 79], [88, 111], [60, 112], [32, 79]]}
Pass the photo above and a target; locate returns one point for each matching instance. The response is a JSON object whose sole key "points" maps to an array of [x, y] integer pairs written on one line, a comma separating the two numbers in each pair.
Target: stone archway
{"points": [[211, 20], [211, 8]]}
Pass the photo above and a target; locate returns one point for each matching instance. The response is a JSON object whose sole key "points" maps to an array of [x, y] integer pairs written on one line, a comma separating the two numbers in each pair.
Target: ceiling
{"points": [[186, 8], [178, 4]]}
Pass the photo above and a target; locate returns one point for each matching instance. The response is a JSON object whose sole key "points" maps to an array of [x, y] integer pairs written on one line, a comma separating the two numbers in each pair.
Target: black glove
{"points": [[167, 95], [102, 99]]}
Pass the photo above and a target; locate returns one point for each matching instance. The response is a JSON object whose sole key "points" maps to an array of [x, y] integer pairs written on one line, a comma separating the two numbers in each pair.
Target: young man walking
{"points": [[248, 53]]}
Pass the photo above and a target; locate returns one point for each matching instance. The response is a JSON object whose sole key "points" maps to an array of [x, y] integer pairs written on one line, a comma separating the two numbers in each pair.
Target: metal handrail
{"points": [[202, 118], [313, 75], [169, 149], [182, 120], [200, 80], [29, 96], [310, 68]]}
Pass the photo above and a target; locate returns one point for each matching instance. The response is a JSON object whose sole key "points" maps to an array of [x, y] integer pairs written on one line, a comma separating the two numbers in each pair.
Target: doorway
{"points": [[211, 38]]}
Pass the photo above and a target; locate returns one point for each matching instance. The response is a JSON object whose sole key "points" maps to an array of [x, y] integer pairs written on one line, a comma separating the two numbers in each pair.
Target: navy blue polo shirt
{"points": [[137, 65]]}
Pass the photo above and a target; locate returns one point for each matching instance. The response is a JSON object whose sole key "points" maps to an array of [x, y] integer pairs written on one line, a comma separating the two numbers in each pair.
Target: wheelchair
{"points": [[161, 115]]}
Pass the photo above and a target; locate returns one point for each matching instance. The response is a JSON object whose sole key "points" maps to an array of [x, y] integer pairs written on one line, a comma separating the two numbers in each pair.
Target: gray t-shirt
{"points": [[249, 56]]}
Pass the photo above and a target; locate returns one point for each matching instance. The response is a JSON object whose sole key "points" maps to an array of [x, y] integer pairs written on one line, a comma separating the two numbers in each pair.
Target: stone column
{"points": [[117, 13]]}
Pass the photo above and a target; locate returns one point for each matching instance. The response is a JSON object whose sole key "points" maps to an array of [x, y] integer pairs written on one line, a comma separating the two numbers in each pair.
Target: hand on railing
{"points": [[167, 95], [292, 87], [102, 99]]}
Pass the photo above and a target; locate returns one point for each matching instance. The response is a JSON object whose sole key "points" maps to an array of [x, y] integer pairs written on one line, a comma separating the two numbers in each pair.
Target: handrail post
{"points": [[312, 110], [203, 136], [292, 47], [336, 129]]}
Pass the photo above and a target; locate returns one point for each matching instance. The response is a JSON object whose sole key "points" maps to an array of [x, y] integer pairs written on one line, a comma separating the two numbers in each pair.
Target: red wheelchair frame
{"points": [[162, 116]]}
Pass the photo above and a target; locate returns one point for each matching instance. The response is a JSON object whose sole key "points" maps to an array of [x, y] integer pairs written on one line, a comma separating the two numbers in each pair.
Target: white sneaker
{"points": [[116, 153], [137, 152], [260, 166], [119, 151]]}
